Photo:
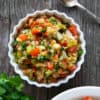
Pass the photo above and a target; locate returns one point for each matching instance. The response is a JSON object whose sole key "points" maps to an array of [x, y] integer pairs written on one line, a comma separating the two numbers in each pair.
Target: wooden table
{"points": [[10, 13]]}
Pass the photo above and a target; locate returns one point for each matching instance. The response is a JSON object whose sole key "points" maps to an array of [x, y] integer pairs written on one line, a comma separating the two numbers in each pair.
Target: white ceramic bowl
{"points": [[78, 92], [15, 65]]}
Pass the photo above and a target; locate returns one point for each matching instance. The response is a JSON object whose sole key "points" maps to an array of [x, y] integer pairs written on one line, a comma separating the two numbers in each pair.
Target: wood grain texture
{"points": [[4, 34], [10, 13]]}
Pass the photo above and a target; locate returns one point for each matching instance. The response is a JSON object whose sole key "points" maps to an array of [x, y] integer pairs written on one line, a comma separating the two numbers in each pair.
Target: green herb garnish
{"points": [[52, 20], [43, 58], [11, 88], [23, 45], [80, 52]]}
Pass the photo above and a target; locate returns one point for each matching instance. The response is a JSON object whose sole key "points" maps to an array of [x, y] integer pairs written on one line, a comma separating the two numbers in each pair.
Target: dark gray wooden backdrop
{"points": [[10, 13]]}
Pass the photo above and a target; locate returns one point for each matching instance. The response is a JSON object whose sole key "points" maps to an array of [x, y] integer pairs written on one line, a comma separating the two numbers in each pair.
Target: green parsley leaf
{"points": [[52, 20], [1, 98], [16, 82], [2, 90]]}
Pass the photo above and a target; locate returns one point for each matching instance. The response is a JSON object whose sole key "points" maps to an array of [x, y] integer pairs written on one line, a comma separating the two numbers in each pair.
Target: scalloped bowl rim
{"points": [[15, 66], [78, 92]]}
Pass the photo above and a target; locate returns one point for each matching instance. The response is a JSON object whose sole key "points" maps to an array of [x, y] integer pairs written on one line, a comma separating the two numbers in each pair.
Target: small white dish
{"points": [[15, 65], [78, 92]]}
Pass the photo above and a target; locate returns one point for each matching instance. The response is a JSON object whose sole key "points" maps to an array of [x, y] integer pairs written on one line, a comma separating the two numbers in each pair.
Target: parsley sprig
{"points": [[11, 88]]}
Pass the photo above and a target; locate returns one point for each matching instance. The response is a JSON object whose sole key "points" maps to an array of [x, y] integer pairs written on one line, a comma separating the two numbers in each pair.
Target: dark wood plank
{"points": [[4, 34], [97, 43]]}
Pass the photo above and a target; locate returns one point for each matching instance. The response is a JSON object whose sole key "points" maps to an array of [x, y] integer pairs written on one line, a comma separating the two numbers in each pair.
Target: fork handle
{"points": [[89, 12]]}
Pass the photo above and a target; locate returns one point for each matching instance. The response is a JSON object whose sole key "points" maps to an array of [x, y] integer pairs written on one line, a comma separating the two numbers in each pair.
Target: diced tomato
{"points": [[35, 52], [62, 75], [35, 31], [34, 24], [23, 37], [46, 33], [19, 30], [27, 71], [34, 70], [64, 44], [64, 61], [53, 80], [50, 66], [73, 30], [72, 49], [87, 98], [72, 68]]}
